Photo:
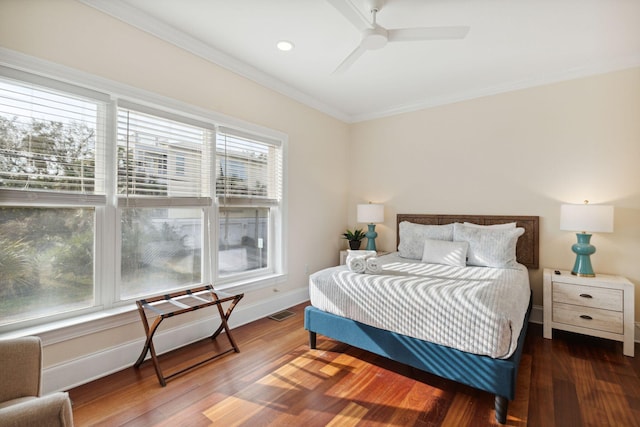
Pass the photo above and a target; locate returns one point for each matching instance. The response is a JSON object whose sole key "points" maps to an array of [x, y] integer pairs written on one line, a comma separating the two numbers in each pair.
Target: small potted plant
{"points": [[354, 237]]}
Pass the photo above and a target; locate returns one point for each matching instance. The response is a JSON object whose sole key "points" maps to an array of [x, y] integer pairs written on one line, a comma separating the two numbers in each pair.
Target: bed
{"points": [[465, 323]]}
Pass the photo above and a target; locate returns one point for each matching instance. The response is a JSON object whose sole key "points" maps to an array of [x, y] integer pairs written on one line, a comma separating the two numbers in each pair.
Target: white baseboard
{"points": [[536, 315], [73, 373]]}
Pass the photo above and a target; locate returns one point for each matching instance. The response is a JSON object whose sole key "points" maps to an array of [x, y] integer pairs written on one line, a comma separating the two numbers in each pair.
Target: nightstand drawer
{"points": [[586, 317], [588, 296]]}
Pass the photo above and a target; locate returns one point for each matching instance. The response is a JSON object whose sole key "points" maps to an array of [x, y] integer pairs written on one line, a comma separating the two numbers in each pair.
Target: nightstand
{"points": [[601, 306]]}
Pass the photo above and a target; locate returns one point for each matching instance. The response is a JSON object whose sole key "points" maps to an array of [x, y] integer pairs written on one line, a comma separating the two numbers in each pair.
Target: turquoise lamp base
{"points": [[583, 250], [371, 235]]}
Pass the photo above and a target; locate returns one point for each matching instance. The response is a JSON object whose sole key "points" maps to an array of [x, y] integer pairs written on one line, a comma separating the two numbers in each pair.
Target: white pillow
{"points": [[507, 225], [445, 252], [412, 237], [489, 247]]}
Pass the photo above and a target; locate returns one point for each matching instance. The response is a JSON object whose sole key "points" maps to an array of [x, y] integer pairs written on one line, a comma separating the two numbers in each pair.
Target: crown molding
{"points": [[142, 21], [138, 19], [558, 77]]}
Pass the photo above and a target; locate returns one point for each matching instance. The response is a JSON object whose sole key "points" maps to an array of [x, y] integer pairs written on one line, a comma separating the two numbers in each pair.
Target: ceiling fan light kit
{"points": [[376, 37]]}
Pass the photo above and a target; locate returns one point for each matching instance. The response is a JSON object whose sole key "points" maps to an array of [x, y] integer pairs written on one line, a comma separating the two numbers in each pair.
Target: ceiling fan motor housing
{"points": [[374, 4], [374, 38]]}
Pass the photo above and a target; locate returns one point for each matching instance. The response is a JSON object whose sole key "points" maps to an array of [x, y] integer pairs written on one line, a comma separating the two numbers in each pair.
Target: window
{"points": [[161, 249], [104, 201], [162, 155], [51, 186], [47, 260], [163, 162], [52, 140], [248, 187]]}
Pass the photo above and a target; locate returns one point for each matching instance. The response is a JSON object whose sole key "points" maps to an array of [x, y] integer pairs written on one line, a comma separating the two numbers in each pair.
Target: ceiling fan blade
{"points": [[428, 33], [351, 13], [349, 60]]}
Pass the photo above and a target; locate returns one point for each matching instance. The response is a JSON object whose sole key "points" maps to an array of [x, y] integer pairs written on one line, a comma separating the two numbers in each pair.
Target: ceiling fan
{"points": [[375, 37]]}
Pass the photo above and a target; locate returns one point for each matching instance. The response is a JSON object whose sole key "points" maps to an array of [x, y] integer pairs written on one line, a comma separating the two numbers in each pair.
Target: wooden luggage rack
{"points": [[164, 306]]}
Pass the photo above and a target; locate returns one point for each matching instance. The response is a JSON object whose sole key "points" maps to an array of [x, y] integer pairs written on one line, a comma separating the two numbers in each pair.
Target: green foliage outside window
{"points": [[47, 155]]}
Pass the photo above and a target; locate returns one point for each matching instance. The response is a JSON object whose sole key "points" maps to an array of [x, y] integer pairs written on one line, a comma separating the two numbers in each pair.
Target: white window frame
{"points": [[107, 236], [273, 204], [14, 197], [203, 202]]}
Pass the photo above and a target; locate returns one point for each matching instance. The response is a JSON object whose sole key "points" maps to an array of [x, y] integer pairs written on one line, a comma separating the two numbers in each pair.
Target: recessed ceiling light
{"points": [[284, 45]]}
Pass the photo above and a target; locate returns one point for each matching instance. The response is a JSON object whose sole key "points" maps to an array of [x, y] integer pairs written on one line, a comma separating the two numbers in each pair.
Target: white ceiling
{"points": [[512, 44]]}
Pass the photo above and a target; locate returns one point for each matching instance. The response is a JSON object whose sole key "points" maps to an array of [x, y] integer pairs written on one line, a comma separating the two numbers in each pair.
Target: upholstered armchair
{"points": [[20, 381]]}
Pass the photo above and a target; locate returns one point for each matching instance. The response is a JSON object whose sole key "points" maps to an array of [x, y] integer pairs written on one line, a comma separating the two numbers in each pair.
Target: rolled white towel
{"points": [[365, 254], [373, 266], [357, 264], [359, 254]]}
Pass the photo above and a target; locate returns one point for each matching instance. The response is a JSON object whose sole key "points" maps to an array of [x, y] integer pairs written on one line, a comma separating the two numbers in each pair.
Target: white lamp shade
{"points": [[587, 218], [370, 213]]}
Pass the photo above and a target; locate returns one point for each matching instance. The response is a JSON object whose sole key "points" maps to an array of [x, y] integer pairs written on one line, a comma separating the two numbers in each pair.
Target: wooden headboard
{"points": [[527, 250]]}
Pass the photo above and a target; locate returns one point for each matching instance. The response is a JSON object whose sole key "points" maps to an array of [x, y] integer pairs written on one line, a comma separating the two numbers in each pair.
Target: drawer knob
{"points": [[586, 296], [586, 317]]}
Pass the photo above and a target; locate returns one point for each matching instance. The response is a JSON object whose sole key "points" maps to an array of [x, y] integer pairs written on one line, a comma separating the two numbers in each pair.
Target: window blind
{"points": [[49, 140], [162, 155], [248, 168]]}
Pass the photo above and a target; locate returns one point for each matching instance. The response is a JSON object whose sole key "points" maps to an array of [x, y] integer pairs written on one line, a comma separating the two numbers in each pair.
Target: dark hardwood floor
{"points": [[276, 380]]}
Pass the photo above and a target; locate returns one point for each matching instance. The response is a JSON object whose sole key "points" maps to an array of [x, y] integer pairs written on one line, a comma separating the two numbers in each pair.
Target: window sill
{"points": [[252, 284], [87, 324], [78, 326]]}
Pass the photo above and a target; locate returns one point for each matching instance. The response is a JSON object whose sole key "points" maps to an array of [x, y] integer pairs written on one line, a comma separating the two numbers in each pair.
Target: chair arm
{"points": [[52, 410], [20, 372]]}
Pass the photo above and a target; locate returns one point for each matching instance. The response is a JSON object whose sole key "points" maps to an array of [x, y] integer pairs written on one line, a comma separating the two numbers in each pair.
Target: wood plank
{"points": [[413, 403], [567, 407], [461, 411], [519, 408], [349, 416]]}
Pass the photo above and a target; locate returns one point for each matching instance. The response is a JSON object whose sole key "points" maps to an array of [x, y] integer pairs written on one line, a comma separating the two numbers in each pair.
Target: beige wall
{"points": [[519, 153], [69, 33], [523, 152]]}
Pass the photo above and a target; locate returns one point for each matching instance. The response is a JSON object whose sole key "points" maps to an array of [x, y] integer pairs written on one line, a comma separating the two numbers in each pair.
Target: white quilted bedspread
{"points": [[478, 310]]}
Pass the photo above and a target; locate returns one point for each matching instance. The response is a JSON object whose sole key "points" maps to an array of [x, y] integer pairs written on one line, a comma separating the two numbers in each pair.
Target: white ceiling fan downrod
{"points": [[376, 37]]}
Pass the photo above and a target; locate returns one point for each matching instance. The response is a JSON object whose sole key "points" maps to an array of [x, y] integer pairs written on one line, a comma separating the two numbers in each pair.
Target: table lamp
{"points": [[370, 214], [585, 218]]}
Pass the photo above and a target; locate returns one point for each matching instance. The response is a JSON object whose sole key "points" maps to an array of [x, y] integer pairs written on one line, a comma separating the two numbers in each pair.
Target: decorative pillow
{"points": [[507, 225], [489, 247], [445, 252], [412, 237]]}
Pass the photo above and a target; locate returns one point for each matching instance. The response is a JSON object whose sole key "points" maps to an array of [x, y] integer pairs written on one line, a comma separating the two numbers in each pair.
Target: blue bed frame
{"points": [[496, 376]]}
